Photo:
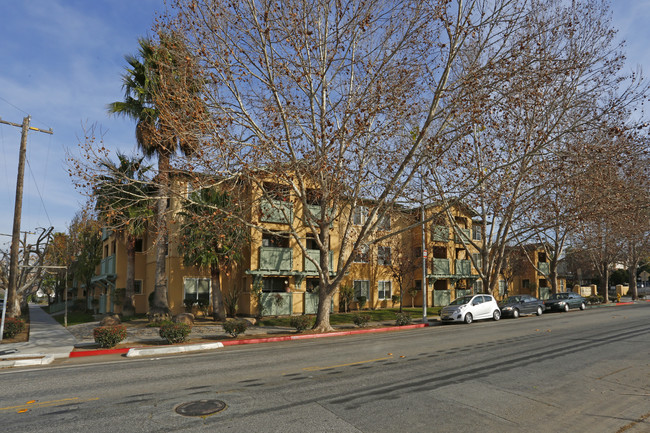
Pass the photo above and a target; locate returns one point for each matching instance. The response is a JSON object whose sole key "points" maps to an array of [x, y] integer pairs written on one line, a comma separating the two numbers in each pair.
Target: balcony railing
{"points": [[543, 267], [276, 211], [276, 259], [107, 265], [439, 233], [315, 254], [463, 267], [440, 267], [465, 237]]}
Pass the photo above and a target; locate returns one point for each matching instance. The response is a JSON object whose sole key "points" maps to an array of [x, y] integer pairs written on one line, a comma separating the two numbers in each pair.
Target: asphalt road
{"points": [[561, 372]]}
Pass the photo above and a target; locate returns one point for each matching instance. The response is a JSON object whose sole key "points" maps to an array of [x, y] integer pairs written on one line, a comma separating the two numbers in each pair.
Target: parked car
{"points": [[469, 308], [564, 301], [514, 306]]}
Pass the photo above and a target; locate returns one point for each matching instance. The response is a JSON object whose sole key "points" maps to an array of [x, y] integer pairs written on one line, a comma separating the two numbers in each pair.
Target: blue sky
{"points": [[61, 62]]}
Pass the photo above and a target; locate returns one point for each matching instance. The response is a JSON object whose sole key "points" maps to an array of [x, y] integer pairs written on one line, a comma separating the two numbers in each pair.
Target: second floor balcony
{"points": [[276, 259], [463, 267], [276, 211], [107, 266], [543, 267], [440, 267], [315, 254]]}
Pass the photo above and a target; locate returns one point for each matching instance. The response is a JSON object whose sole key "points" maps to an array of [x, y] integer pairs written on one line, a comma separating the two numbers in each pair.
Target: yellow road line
{"points": [[35, 404], [316, 368]]}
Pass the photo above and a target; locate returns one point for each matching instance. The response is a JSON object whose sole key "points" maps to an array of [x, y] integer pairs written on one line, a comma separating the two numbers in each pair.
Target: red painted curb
{"points": [[266, 339], [625, 303], [324, 335], [98, 352]]}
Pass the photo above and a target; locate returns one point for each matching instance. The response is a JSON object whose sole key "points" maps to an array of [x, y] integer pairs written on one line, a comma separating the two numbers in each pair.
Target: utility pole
{"points": [[10, 299]]}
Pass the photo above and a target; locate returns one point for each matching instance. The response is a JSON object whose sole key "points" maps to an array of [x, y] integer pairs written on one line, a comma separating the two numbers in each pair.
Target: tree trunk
{"points": [[160, 303], [324, 306], [218, 309], [606, 282], [128, 308], [631, 271]]}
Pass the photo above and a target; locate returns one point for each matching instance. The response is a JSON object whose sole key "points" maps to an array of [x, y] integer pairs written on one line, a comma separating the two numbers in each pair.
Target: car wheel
{"points": [[497, 314], [468, 318], [566, 307], [539, 311], [515, 313], [583, 306]]}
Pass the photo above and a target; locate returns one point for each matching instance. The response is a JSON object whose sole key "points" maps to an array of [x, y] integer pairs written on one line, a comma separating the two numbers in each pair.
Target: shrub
{"points": [[346, 295], [361, 320], [235, 327], [402, 319], [361, 300], [595, 299], [300, 322], [188, 303], [394, 299], [109, 336], [231, 300], [204, 306], [13, 327], [175, 332]]}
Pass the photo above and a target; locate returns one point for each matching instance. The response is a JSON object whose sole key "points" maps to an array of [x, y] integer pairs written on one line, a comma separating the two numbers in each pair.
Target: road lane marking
{"points": [[316, 368], [36, 404]]}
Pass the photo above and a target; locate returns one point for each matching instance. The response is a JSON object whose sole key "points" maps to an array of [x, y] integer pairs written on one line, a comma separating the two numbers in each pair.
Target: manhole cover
{"points": [[200, 407]]}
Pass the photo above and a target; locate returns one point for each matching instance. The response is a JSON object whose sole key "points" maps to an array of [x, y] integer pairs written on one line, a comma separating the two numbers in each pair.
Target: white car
{"points": [[469, 308]]}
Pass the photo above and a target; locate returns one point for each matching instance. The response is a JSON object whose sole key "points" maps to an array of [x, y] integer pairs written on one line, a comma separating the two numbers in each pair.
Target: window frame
{"points": [[381, 290], [196, 280]]}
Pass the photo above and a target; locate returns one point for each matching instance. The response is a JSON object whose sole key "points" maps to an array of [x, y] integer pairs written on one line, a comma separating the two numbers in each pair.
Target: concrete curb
{"points": [[172, 349], [26, 360]]}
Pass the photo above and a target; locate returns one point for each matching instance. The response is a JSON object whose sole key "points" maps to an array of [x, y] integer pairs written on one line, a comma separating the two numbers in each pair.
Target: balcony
{"points": [[315, 254], [276, 259], [107, 266], [439, 233], [465, 236], [440, 267], [276, 211], [463, 268], [543, 267], [106, 233]]}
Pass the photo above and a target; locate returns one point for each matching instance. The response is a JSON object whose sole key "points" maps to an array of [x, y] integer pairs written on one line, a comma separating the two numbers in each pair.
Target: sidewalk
{"points": [[48, 340]]}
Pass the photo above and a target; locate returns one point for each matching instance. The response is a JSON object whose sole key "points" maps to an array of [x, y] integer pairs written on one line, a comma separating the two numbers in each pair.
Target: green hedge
{"points": [[175, 332], [109, 336], [13, 327]]}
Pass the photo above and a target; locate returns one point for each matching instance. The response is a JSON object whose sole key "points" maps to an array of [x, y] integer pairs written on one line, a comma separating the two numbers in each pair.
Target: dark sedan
{"points": [[515, 306], [565, 301]]}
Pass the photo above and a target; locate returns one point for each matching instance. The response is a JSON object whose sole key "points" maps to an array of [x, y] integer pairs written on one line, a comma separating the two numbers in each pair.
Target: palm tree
{"points": [[211, 237], [123, 201], [154, 138]]}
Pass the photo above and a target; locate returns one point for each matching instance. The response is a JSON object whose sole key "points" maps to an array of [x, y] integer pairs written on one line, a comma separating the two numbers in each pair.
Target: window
{"points": [[139, 246], [417, 252], [362, 254], [383, 290], [359, 215], [525, 284], [502, 287], [310, 242], [274, 284], [196, 288], [543, 282], [275, 240], [478, 286], [477, 260], [137, 287], [383, 255], [361, 288], [476, 233], [384, 222]]}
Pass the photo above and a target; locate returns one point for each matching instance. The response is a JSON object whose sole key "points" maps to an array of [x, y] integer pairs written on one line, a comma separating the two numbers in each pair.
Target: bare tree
{"points": [[323, 96], [558, 77], [31, 258]]}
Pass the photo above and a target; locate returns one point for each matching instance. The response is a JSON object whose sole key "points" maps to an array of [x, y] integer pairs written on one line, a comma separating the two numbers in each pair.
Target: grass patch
{"points": [[75, 318], [383, 315]]}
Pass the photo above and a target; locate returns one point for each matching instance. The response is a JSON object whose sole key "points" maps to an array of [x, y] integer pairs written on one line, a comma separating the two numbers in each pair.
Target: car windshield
{"points": [[559, 296], [461, 301]]}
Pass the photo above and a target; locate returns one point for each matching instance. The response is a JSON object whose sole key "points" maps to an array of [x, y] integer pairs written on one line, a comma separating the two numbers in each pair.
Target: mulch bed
{"points": [[23, 337]]}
